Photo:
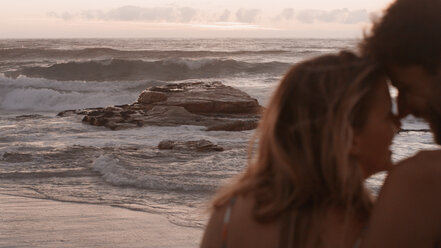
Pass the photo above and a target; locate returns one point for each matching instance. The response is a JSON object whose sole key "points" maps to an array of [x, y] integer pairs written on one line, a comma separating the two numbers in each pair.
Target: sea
{"points": [[60, 158]]}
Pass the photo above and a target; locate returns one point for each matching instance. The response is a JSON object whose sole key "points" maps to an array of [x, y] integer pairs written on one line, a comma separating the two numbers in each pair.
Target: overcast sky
{"points": [[187, 18]]}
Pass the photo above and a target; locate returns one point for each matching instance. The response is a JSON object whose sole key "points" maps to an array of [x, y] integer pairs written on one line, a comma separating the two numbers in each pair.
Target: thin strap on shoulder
{"points": [[226, 221]]}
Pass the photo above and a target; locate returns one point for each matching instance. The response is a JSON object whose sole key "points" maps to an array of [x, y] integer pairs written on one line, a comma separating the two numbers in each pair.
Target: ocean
{"points": [[60, 158]]}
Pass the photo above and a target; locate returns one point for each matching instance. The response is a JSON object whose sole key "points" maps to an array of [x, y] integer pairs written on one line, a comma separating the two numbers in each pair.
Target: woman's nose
{"points": [[403, 108]]}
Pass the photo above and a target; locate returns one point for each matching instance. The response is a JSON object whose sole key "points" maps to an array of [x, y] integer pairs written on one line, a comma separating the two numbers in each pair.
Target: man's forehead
{"points": [[399, 75]]}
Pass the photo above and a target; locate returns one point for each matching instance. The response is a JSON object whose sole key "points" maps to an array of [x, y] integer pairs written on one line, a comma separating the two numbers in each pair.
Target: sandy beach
{"points": [[79, 183], [30, 222]]}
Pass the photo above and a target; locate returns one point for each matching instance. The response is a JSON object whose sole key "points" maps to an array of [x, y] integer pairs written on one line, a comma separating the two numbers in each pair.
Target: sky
{"points": [[187, 18]]}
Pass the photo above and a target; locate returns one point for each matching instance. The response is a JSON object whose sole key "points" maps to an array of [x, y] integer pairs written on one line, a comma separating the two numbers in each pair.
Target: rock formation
{"points": [[214, 105], [192, 145]]}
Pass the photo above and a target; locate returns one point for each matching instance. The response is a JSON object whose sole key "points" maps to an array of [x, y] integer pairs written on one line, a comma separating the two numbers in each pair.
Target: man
{"points": [[407, 43]]}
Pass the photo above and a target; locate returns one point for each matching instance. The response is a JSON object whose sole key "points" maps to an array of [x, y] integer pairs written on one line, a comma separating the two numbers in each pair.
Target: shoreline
{"points": [[31, 222]]}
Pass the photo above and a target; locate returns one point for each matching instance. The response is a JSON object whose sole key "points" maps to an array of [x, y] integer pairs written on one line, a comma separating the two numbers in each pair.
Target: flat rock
{"points": [[193, 145], [211, 104]]}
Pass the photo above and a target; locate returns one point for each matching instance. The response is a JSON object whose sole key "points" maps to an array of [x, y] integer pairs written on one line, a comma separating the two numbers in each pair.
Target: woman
{"points": [[327, 128]]}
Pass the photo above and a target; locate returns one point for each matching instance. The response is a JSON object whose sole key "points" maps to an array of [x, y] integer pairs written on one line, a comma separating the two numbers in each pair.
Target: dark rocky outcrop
{"points": [[214, 105], [193, 145]]}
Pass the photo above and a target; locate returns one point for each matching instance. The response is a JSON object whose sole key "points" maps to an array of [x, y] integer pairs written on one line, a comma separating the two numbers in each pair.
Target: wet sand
{"points": [[30, 222]]}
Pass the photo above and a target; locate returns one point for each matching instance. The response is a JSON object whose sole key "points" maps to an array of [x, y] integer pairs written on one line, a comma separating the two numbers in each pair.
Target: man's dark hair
{"points": [[408, 34]]}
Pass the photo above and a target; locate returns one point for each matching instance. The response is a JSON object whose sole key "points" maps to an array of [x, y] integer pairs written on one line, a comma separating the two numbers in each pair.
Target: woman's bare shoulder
{"points": [[243, 229], [213, 231], [240, 212]]}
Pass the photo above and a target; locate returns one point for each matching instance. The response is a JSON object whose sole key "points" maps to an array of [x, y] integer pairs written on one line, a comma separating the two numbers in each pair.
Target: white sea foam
{"points": [[112, 172], [134, 70], [192, 64], [49, 95], [116, 173]]}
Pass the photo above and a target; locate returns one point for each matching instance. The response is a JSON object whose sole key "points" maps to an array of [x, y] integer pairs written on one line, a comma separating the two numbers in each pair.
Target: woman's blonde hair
{"points": [[303, 165]]}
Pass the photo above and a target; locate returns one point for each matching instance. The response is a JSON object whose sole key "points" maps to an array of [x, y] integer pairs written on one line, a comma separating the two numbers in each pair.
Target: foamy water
{"points": [[45, 156]]}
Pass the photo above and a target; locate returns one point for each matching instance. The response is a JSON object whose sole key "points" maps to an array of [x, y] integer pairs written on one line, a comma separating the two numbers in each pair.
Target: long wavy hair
{"points": [[303, 164]]}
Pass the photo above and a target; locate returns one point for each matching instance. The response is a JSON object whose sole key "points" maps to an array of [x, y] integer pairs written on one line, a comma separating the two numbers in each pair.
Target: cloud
{"points": [[187, 14], [357, 16], [307, 16], [331, 16], [162, 14], [343, 16], [286, 14], [92, 14], [247, 15], [65, 15], [126, 13], [224, 17], [133, 13], [192, 15]]}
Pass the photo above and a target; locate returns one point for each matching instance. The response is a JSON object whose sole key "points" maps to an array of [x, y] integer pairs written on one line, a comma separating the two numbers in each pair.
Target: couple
{"points": [[327, 128]]}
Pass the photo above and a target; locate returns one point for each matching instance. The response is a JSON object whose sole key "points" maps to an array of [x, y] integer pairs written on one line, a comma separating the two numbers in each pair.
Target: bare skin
{"points": [[408, 210], [243, 230]]}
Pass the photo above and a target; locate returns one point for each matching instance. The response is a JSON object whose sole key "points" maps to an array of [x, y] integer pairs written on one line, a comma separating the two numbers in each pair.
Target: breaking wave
{"points": [[133, 70], [48, 95], [114, 172]]}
